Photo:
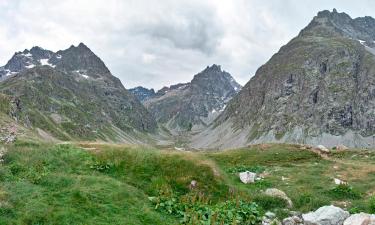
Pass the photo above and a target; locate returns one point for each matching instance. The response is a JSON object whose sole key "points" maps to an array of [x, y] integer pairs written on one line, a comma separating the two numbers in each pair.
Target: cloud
{"points": [[157, 43]]}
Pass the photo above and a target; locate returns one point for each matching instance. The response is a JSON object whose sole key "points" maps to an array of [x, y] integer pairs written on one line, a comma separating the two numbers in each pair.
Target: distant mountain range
{"points": [[193, 105]]}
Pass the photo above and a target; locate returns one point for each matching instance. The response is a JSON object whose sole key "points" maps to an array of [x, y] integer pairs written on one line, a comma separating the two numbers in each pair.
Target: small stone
{"points": [[293, 220], [193, 184], [270, 215], [247, 177]]}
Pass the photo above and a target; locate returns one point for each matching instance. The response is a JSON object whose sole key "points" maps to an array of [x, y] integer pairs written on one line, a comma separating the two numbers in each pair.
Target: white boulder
{"points": [[326, 215], [360, 219], [247, 177], [341, 148], [322, 148]]}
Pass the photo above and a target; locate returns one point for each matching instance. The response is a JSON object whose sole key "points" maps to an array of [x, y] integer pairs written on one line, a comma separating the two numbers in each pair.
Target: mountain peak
{"points": [[214, 67]]}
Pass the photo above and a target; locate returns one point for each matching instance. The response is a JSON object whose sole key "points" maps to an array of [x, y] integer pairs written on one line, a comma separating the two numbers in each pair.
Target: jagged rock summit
{"points": [[195, 104], [318, 89], [71, 94]]}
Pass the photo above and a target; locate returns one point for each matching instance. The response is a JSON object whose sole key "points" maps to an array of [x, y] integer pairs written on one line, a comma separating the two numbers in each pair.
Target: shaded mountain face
{"points": [[318, 89], [195, 104], [142, 93], [71, 94]]}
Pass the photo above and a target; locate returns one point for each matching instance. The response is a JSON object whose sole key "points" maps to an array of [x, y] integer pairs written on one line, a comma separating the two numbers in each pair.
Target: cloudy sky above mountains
{"points": [[154, 43]]}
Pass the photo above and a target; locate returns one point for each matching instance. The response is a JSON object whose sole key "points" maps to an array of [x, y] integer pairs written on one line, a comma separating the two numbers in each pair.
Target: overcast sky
{"points": [[163, 42]]}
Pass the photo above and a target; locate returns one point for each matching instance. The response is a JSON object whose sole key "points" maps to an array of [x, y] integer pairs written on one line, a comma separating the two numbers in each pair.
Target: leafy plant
{"points": [[196, 210], [101, 166], [372, 204], [269, 202], [344, 191]]}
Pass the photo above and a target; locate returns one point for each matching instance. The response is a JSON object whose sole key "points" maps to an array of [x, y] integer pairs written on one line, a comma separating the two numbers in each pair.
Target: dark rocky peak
{"points": [[142, 93], [334, 16], [214, 78], [40, 53], [80, 58], [328, 24], [178, 86], [26, 59]]}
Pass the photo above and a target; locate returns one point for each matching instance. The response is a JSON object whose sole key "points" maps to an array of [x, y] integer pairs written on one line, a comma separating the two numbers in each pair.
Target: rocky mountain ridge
{"points": [[195, 104], [318, 89], [71, 94]]}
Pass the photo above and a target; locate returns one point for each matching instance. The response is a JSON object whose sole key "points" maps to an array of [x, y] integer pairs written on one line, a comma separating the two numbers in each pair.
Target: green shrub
{"points": [[344, 191], [372, 204], [101, 166], [195, 209], [269, 202]]}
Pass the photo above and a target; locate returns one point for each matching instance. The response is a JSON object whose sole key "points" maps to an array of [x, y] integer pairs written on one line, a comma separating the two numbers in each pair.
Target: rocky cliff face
{"points": [[71, 94], [194, 105], [318, 89]]}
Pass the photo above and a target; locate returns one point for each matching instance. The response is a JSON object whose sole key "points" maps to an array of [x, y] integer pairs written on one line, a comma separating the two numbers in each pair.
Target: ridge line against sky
{"points": [[159, 43]]}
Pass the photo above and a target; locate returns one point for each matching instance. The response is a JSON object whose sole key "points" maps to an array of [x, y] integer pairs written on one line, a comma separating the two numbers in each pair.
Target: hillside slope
{"points": [[318, 89]]}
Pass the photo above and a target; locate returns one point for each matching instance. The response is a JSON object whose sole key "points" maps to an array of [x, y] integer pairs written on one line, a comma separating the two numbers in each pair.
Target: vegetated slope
{"points": [[318, 89], [193, 105], [71, 94], [112, 184]]}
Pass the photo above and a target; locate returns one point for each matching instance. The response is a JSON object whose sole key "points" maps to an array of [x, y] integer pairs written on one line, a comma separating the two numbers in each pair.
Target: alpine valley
{"points": [[294, 146]]}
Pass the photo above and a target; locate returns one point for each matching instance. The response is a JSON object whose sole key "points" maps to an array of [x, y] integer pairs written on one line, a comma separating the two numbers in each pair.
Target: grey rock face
{"points": [[317, 89], [194, 104]]}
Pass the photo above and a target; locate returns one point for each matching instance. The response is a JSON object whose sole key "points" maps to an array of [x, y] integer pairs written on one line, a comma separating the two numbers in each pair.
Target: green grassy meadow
{"points": [[90, 183]]}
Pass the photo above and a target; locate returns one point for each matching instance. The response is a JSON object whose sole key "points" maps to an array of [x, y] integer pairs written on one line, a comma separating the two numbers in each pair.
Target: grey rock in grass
{"points": [[247, 177], [293, 220], [326, 215]]}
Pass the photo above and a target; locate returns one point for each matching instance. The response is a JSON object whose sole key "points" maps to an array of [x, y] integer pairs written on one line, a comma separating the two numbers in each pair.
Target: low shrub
{"points": [[372, 204], [344, 191], [269, 202], [197, 210]]}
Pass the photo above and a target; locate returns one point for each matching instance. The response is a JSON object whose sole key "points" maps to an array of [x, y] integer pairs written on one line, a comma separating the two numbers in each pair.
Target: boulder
{"points": [[360, 219], [322, 148], [326, 215], [341, 148], [279, 194], [293, 220], [247, 177]]}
